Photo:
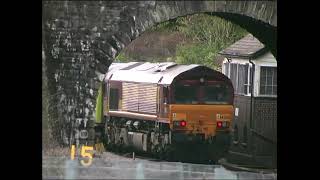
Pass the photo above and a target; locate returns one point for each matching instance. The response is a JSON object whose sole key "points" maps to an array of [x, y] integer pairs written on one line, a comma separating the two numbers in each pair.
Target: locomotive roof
{"points": [[160, 73]]}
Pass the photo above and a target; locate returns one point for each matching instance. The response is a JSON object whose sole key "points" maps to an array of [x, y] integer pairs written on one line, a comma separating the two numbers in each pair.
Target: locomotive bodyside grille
{"points": [[139, 97]]}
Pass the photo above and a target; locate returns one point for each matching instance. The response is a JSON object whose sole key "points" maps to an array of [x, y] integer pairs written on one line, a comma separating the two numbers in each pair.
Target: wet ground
{"points": [[113, 166]]}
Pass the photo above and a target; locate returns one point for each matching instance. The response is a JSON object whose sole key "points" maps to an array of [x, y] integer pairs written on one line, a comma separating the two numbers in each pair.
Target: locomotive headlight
{"points": [[224, 124], [219, 124], [202, 80], [183, 123], [176, 123]]}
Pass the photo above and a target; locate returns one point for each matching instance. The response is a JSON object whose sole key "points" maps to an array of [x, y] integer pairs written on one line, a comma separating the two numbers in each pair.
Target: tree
{"points": [[208, 35]]}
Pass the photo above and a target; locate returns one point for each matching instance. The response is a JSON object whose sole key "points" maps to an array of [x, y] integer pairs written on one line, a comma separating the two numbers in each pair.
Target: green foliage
{"points": [[209, 35], [198, 53], [210, 29], [167, 26], [122, 58]]}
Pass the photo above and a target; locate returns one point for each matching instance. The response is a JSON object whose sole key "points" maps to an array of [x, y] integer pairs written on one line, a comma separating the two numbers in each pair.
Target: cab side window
{"points": [[114, 99]]}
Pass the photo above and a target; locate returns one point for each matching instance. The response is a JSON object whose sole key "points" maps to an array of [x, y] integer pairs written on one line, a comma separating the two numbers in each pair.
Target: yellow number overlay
{"points": [[73, 149], [84, 154]]}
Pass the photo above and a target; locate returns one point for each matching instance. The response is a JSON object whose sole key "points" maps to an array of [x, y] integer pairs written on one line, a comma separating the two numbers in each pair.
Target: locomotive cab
{"points": [[201, 105]]}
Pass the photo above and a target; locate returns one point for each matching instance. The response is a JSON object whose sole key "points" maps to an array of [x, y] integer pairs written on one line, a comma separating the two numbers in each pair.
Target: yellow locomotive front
{"points": [[200, 121], [201, 113], [201, 108], [200, 130]]}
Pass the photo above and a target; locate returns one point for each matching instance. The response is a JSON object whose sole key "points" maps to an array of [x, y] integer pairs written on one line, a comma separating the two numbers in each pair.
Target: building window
{"points": [[240, 75], [226, 69], [268, 81], [114, 99], [233, 75], [240, 79], [247, 79]]}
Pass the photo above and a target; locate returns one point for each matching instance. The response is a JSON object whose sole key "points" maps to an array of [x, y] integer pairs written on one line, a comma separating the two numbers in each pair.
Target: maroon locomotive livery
{"points": [[162, 107]]}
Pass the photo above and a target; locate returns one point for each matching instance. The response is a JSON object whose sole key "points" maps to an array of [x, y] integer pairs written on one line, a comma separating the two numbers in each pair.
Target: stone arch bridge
{"points": [[80, 39]]}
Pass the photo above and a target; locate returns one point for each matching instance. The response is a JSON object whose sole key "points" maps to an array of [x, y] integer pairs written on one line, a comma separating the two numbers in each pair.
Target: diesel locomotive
{"points": [[165, 109]]}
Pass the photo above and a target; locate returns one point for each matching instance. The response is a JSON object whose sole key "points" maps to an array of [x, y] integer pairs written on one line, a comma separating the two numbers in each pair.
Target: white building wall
{"points": [[265, 60]]}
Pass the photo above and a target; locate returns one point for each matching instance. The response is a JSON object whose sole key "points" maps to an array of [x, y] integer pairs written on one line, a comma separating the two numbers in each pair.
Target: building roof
{"points": [[160, 73], [247, 47]]}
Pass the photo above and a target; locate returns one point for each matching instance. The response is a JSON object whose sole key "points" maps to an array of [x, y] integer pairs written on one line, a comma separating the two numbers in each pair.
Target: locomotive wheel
{"points": [[156, 151], [99, 134], [169, 153], [120, 146], [111, 139], [165, 153], [161, 153], [105, 140]]}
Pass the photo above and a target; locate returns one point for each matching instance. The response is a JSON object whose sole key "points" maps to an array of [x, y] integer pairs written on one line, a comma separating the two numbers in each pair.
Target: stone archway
{"points": [[81, 39]]}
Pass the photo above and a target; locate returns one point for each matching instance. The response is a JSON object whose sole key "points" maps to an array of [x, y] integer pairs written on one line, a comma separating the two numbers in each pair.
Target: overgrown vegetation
{"points": [[208, 34]]}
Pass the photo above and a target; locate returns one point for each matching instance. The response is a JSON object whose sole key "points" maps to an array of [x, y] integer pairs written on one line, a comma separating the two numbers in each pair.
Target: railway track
{"points": [[116, 166]]}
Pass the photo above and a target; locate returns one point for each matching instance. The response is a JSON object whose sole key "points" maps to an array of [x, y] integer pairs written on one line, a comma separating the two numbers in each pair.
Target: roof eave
{"points": [[247, 56]]}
